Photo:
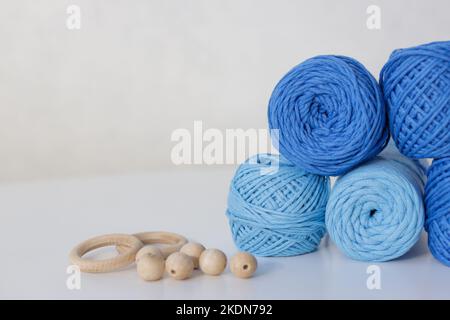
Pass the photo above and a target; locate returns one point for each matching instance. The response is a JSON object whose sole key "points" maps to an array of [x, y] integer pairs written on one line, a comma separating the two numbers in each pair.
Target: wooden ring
{"points": [[171, 242], [125, 257]]}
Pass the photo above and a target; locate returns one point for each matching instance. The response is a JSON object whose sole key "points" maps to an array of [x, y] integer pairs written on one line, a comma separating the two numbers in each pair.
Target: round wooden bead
{"points": [[179, 265], [213, 261], [148, 249], [194, 250], [150, 267], [243, 265]]}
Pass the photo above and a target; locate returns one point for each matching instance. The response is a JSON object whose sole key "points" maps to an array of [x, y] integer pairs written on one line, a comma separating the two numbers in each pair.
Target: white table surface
{"points": [[41, 221]]}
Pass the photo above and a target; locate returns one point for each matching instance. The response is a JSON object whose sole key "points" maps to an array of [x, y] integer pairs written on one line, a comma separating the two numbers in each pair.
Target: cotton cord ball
{"points": [[276, 208], [416, 87], [376, 211], [327, 115], [437, 200]]}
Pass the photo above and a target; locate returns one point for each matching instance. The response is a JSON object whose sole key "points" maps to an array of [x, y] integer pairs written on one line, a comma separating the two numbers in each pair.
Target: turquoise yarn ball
{"points": [[275, 208], [376, 211], [416, 87]]}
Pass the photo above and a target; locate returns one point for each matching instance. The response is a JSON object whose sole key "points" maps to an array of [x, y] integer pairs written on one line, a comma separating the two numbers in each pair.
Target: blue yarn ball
{"points": [[437, 201], [275, 208], [330, 115], [416, 87], [376, 211]]}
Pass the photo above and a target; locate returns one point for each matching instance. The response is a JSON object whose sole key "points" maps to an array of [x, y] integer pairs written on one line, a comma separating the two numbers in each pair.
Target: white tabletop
{"points": [[41, 221]]}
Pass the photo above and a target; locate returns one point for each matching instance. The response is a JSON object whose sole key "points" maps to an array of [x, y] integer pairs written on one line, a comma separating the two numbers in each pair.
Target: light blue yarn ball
{"points": [[437, 200], [275, 208], [330, 115], [376, 211], [416, 87]]}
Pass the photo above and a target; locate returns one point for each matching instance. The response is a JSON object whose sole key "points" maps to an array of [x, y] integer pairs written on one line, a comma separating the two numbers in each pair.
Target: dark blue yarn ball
{"points": [[330, 115], [416, 87], [437, 202]]}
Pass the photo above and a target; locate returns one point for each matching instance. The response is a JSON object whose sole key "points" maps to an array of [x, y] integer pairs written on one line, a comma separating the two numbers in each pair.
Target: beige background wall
{"points": [[106, 98]]}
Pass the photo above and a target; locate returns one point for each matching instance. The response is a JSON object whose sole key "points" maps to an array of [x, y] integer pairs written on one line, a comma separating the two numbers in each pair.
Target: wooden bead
{"points": [[152, 250], [194, 250], [243, 265], [179, 265], [213, 261], [150, 267]]}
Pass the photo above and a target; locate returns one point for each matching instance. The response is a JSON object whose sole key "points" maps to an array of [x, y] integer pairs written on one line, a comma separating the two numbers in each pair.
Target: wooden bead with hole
{"points": [[194, 250], [243, 265], [150, 267], [148, 249], [179, 265], [213, 262]]}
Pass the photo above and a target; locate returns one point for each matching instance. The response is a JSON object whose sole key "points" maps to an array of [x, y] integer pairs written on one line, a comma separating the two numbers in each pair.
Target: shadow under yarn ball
{"points": [[276, 208], [416, 87], [437, 201], [329, 114], [376, 211]]}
